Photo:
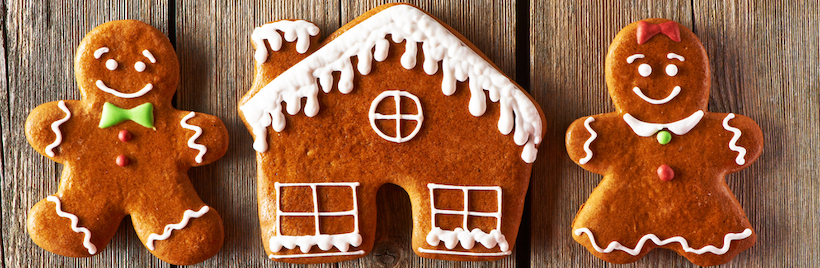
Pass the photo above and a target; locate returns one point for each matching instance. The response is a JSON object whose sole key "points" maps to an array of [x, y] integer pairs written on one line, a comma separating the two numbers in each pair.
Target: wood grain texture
{"points": [[41, 39], [764, 65]]}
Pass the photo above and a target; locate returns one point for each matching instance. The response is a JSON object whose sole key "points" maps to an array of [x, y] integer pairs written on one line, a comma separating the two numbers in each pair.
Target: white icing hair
{"points": [[403, 23]]}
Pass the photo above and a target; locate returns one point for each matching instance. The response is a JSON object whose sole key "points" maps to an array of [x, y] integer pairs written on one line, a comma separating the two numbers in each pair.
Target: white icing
{"points": [[672, 95], [187, 216], [671, 70], [191, 142], [632, 58], [74, 220], [615, 245], [396, 94], [111, 64], [679, 127], [323, 254], [324, 242], [55, 127], [150, 56], [644, 70], [114, 92], [139, 66], [479, 254], [592, 136], [367, 41], [298, 30], [741, 152], [99, 52], [674, 56], [467, 239]]}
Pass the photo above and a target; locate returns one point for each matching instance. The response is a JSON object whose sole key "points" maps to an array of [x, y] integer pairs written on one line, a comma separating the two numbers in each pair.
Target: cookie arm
{"points": [[45, 127], [746, 143], [580, 141], [204, 138]]}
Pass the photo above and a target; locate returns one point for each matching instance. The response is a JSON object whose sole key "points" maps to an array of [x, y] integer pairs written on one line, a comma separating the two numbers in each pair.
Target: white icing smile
{"points": [[114, 92], [675, 92]]}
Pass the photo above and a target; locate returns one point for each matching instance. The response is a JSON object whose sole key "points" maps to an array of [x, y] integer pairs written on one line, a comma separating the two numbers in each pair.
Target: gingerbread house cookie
{"points": [[394, 96], [662, 154], [126, 151]]}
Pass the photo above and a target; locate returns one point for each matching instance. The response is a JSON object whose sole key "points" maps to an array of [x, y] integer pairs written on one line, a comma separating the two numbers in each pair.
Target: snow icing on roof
{"points": [[402, 22]]}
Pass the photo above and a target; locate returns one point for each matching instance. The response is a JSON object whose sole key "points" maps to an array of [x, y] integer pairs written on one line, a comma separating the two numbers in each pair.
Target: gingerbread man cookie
{"points": [[126, 151], [395, 96], [663, 155]]}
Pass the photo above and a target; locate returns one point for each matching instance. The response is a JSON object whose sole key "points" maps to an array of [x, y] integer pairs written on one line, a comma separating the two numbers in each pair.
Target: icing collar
{"points": [[679, 127]]}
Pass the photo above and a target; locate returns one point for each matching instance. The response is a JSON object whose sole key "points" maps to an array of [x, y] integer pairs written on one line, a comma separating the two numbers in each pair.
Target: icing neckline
{"points": [[679, 127]]}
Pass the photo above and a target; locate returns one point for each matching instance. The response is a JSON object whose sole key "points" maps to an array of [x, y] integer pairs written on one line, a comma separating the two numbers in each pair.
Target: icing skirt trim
{"points": [[615, 245]]}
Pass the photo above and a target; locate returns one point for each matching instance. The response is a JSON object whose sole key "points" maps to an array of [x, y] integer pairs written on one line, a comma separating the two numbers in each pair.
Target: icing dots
{"points": [[615, 245], [592, 136], [74, 221], [139, 66], [111, 64], [672, 95], [741, 152], [295, 30], [672, 70], [191, 142], [166, 232], [679, 127], [367, 40], [55, 127], [398, 117], [645, 70], [99, 52], [101, 85]]}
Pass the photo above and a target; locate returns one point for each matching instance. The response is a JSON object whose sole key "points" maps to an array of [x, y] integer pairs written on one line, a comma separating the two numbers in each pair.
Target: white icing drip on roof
{"points": [[402, 22], [298, 30]]}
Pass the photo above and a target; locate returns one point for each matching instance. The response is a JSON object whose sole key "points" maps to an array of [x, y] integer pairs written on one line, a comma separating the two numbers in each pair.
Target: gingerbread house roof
{"points": [[459, 63]]}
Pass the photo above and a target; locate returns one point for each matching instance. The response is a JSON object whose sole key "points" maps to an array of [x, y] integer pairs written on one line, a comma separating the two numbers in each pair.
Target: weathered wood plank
{"points": [[42, 37], [216, 59], [490, 25]]}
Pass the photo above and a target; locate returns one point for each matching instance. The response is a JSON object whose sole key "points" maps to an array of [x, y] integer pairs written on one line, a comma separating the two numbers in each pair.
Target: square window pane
{"points": [[296, 199]]}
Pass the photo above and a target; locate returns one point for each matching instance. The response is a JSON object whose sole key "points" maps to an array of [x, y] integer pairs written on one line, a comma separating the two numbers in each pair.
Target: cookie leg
{"points": [[180, 230], [68, 225]]}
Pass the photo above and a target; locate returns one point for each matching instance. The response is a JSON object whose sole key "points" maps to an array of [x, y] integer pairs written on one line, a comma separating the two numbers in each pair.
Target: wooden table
{"points": [[764, 61]]}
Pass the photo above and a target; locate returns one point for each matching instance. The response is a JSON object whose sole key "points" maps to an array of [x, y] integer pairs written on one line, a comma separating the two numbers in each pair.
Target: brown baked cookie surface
{"points": [[662, 154], [395, 96], [126, 151]]}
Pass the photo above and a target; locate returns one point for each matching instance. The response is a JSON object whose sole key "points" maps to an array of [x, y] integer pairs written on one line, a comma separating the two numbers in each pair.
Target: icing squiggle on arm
{"points": [[741, 152], [170, 227], [87, 239], [592, 137], [191, 142], [615, 245], [56, 128]]}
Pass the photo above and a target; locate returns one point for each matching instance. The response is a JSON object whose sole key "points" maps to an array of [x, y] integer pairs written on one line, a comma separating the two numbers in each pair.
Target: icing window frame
{"points": [[398, 116]]}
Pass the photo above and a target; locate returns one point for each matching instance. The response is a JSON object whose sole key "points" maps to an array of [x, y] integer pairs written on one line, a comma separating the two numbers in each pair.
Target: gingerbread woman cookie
{"points": [[126, 151], [663, 155]]}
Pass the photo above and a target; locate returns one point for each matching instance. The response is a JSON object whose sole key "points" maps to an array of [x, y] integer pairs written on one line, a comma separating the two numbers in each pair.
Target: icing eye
{"points": [[645, 70], [111, 64], [139, 66], [671, 70]]}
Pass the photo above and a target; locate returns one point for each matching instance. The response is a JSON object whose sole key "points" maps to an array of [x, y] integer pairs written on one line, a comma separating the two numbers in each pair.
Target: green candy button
{"points": [[664, 137]]}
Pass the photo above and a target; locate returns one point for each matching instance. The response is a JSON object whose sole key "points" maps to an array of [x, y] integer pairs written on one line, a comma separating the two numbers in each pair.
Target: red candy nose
{"points": [[665, 173]]}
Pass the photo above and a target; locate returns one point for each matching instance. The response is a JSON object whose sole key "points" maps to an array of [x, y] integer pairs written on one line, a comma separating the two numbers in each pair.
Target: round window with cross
{"points": [[398, 96]]}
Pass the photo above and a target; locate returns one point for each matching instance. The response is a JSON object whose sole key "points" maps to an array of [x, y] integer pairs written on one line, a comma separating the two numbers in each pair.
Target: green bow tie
{"points": [[113, 115]]}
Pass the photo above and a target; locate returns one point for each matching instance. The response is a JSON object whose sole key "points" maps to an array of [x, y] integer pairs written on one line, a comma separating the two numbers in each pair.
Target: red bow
{"points": [[646, 31]]}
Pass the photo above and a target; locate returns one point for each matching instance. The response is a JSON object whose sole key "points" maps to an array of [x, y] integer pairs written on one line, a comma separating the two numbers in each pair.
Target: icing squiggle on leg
{"points": [[727, 242], [56, 128], [592, 137], [170, 227], [741, 152], [74, 220], [191, 144]]}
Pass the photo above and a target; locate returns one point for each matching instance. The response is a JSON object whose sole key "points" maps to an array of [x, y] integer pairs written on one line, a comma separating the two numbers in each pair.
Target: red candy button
{"points": [[124, 135], [122, 161], [666, 173]]}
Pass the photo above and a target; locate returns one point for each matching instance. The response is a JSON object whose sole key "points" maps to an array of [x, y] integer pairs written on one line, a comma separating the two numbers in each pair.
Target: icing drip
{"points": [[325, 242], [170, 227], [367, 40], [467, 239], [592, 137], [741, 152], [56, 128], [679, 127], [298, 30], [74, 220], [191, 142], [727, 240], [99, 52], [101, 85]]}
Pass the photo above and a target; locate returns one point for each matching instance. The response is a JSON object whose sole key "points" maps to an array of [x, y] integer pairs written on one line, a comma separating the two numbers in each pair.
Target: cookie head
{"points": [[657, 69], [126, 59]]}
